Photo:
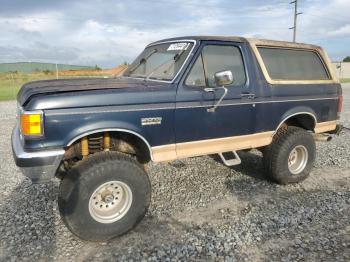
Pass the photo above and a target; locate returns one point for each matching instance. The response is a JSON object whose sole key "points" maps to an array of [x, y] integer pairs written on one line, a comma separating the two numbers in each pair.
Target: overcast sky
{"points": [[108, 32]]}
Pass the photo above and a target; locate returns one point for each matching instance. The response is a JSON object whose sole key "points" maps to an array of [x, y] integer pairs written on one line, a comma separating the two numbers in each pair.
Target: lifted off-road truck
{"points": [[181, 97]]}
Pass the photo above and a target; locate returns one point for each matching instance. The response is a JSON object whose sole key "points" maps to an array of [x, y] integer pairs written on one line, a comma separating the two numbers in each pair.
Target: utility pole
{"points": [[295, 2]]}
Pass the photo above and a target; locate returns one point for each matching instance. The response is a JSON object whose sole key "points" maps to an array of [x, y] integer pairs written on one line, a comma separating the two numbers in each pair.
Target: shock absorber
{"points": [[95, 143], [106, 141], [84, 146]]}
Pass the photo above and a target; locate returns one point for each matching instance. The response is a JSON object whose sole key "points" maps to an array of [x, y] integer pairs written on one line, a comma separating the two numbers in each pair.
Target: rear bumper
{"points": [[39, 166], [337, 130]]}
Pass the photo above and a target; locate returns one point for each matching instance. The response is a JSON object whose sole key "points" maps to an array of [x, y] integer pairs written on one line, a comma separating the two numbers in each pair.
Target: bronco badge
{"points": [[151, 121]]}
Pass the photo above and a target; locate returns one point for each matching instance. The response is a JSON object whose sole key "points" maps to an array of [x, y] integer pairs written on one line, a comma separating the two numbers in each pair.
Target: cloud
{"points": [[39, 52], [110, 32], [342, 31]]}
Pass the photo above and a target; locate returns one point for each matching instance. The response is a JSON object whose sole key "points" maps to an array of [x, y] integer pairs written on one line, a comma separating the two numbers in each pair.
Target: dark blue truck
{"points": [[181, 97]]}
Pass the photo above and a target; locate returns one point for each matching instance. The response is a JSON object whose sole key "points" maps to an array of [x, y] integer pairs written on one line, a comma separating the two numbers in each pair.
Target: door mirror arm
{"points": [[222, 78], [213, 89]]}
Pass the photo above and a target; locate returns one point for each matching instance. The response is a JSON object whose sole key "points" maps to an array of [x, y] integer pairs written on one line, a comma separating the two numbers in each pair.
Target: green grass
{"points": [[11, 83], [345, 80]]}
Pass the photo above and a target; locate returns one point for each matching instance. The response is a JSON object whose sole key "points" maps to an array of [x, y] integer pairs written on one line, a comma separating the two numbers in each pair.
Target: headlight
{"points": [[31, 123]]}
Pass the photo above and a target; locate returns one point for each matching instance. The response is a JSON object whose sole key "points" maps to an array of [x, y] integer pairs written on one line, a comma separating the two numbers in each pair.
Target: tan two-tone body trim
{"points": [[213, 146], [210, 146], [325, 126]]}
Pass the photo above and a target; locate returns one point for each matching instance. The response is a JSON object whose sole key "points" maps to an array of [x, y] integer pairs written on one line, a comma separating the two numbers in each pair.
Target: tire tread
{"points": [[281, 142]]}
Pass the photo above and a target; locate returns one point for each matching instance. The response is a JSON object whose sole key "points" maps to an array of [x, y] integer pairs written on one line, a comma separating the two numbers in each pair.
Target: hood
{"points": [[46, 87]]}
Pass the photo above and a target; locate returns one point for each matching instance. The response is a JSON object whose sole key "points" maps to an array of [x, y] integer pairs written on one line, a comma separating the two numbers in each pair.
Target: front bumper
{"points": [[39, 166]]}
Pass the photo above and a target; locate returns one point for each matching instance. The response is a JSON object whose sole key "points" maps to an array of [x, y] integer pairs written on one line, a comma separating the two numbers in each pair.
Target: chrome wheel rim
{"points": [[110, 202], [297, 159]]}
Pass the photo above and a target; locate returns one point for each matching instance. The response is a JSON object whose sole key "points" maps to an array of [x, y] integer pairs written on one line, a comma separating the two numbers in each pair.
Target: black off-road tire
{"points": [[275, 156], [79, 184]]}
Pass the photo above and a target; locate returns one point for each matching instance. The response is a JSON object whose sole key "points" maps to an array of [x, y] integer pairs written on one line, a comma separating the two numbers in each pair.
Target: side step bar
{"points": [[235, 160]]}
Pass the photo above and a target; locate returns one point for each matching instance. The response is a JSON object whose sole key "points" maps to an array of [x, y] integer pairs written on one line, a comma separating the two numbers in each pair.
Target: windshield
{"points": [[161, 62]]}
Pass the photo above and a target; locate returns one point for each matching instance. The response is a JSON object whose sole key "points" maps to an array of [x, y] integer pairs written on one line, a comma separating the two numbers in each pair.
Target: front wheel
{"points": [[290, 157], [104, 196]]}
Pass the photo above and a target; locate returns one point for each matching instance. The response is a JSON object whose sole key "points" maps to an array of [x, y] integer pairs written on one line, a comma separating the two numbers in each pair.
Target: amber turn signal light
{"points": [[31, 123]]}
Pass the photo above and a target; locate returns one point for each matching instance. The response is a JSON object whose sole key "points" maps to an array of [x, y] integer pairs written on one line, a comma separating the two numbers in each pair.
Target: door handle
{"points": [[210, 89], [248, 95]]}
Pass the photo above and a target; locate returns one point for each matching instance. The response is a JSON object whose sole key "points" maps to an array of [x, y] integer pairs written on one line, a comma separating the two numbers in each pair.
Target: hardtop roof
{"points": [[253, 41]]}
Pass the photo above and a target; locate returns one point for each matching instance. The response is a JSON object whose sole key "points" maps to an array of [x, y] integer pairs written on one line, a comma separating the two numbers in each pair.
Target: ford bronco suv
{"points": [[181, 97]]}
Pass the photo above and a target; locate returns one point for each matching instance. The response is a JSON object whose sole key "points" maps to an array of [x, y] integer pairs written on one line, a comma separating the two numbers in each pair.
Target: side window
{"points": [[293, 64], [217, 58]]}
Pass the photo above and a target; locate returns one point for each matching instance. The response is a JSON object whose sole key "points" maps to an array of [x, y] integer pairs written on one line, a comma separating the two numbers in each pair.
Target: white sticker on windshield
{"points": [[178, 46]]}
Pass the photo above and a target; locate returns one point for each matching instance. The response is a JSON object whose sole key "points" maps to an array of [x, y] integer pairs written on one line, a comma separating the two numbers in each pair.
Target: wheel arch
{"points": [[301, 117], [114, 130]]}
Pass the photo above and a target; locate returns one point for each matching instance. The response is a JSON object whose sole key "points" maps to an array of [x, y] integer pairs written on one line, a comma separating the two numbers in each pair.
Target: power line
{"points": [[295, 2]]}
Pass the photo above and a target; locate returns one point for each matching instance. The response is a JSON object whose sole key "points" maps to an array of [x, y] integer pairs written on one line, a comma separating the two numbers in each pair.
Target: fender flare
{"points": [[111, 129], [294, 112]]}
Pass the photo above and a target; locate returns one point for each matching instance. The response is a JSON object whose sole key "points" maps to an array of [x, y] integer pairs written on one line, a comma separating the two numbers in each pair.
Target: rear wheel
{"points": [[290, 157], [104, 196]]}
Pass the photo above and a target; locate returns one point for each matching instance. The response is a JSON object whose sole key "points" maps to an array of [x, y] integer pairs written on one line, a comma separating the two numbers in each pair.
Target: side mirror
{"points": [[223, 78]]}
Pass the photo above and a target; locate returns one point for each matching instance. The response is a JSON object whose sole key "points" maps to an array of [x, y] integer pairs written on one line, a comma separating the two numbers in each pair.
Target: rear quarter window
{"points": [[293, 64]]}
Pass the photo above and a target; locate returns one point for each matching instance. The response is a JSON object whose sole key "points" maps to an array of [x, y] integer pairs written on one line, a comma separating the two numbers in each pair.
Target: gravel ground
{"points": [[201, 210]]}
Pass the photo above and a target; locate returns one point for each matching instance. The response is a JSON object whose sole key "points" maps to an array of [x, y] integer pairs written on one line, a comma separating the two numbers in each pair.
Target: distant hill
{"points": [[29, 67]]}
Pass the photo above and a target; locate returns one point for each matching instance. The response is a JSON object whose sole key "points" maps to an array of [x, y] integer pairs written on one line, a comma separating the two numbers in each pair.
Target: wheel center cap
{"points": [[292, 157], [108, 198]]}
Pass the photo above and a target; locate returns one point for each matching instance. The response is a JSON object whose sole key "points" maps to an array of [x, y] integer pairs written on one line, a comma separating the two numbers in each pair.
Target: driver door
{"points": [[199, 131]]}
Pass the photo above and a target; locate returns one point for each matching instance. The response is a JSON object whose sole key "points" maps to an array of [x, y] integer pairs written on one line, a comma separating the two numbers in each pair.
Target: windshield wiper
{"points": [[142, 61], [175, 58]]}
